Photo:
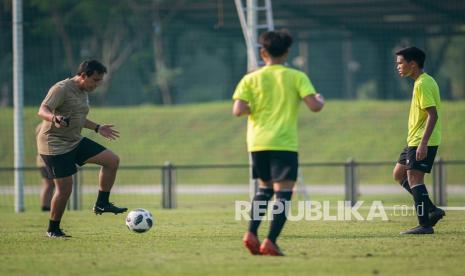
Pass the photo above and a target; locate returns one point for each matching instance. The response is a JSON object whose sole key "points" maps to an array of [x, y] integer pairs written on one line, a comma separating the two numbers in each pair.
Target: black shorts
{"points": [[63, 165], [276, 166], [408, 158], [45, 173]]}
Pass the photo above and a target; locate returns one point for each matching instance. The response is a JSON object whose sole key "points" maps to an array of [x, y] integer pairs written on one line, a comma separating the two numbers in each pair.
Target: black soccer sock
{"points": [[53, 225], [406, 186], [45, 208], [422, 206], [102, 198], [282, 198], [260, 201]]}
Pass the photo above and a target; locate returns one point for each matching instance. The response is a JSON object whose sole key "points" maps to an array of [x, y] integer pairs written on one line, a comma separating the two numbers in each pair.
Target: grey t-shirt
{"points": [[66, 99]]}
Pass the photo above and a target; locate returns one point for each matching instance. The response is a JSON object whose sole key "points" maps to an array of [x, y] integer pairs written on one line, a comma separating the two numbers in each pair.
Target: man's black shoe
{"points": [[57, 234], [419, 230], [108, 208], [436, 215]]}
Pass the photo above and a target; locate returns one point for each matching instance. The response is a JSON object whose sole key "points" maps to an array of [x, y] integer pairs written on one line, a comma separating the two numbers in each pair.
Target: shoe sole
{"points": [[115, 213], [271, 253], [57, 237], [418, 233]]}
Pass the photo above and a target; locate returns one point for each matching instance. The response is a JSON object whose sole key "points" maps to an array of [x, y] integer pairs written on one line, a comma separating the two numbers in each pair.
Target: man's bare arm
{"points": [[240, 108]]}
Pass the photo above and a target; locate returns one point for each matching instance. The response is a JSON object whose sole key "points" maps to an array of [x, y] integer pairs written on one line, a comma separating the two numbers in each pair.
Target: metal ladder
{"points": [[249, 17]]}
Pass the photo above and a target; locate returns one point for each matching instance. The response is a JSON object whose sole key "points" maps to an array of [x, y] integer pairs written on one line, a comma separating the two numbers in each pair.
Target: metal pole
{"points": [[269, 15], [253, 182], [252, 52], [439, 183], [168, 186], [350, 181], [80, 187], [75, 193], [250, 43], [442, 183], [18, 103]]}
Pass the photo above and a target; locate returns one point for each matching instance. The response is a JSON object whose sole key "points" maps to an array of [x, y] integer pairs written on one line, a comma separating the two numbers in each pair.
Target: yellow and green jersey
{"points": [[425, 94], [274, 94]]}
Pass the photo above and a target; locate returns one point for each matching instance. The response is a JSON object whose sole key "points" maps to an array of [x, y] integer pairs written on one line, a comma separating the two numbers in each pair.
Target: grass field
{"points": [[201, 236], [209, 134], [206, 240]]}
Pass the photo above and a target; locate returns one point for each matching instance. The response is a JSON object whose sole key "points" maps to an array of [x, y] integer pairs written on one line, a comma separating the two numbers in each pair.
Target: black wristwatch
{"points": [[96, 128]]}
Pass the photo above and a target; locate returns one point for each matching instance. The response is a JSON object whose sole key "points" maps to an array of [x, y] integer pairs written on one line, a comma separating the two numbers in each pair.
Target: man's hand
{"points": [[422, 152], [314, 102], [60, 121], [108, 132]]}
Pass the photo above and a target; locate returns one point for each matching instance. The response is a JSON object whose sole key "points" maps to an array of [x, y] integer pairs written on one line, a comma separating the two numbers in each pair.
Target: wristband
{"points": [[97, 127]]}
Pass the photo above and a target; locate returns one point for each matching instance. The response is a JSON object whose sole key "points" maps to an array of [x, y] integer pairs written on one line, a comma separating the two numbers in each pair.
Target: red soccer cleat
{"points": [[252, 243], [270, 248]]}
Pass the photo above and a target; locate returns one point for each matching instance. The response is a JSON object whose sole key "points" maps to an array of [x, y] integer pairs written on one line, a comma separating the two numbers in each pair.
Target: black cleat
{"points": [[436, 215], [419, 230], [57, 234], [108, 208]]}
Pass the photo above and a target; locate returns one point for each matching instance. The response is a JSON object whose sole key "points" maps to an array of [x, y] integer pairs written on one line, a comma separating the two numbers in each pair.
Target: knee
{"points": [[66, 193], [397, 177], [114, 162]]}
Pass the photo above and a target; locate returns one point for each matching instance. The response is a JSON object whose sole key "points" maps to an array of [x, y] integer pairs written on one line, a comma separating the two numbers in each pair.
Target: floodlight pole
{"points": [[252, 52], [18, 104], [249, 19]]}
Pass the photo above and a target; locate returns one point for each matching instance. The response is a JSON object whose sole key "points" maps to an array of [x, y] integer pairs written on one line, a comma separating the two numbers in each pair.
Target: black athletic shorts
{"points": [[63, 165], [276, 166], [45, 173], [408, 158]]}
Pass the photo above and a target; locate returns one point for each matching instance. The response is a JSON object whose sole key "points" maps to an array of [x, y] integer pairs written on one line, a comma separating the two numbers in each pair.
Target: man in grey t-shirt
{"points": [[62, 147]]}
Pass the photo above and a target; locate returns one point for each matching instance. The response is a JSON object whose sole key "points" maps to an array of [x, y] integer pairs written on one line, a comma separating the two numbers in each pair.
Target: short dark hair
{"points": [[89, 67], [413, 53], [276, 43]]}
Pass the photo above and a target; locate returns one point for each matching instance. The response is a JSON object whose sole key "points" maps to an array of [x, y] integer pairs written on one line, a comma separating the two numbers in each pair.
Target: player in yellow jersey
{"points": [[270, 97], [424, 137]]}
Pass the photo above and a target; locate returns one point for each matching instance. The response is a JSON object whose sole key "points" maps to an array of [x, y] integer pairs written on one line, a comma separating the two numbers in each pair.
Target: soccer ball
{"points": [[139, 220]]}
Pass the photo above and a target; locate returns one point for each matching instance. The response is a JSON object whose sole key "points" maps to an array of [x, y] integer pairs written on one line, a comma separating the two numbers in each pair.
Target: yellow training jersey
{"points": [[425, 94], [274, 94]]}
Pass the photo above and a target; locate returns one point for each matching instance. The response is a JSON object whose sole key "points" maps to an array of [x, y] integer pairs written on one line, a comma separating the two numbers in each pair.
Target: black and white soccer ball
{"points": [[139, 220]]}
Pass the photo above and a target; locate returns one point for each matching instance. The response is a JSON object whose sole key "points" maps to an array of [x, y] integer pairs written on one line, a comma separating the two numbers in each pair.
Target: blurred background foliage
{"points": [[175, 52]]}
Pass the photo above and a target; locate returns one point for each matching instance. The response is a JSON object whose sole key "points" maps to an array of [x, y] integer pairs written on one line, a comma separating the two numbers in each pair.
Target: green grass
{"points": [[209, 134], [206, 240], [201, 237]]}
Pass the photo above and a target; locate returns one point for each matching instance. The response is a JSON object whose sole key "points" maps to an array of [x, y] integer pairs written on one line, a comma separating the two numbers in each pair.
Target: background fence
{"points": [[171, 186], [173, 66]]}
